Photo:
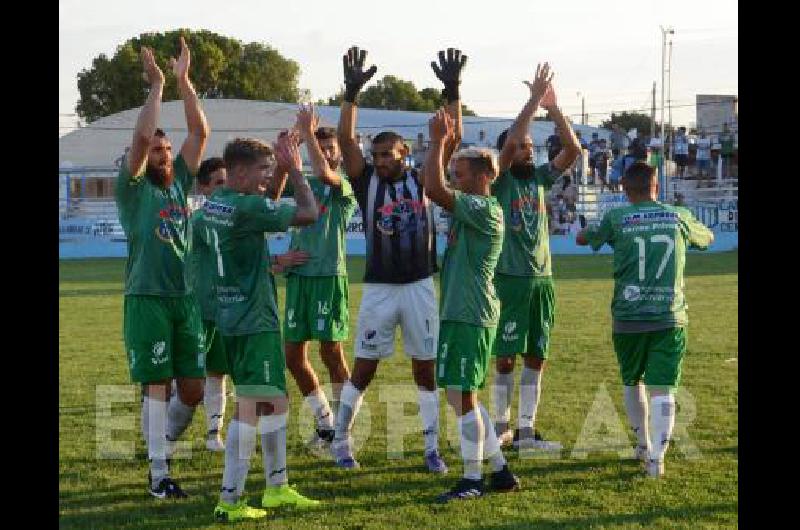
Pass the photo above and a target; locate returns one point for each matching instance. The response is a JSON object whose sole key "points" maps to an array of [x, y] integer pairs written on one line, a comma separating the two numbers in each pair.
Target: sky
{"points": [[608, 52]]}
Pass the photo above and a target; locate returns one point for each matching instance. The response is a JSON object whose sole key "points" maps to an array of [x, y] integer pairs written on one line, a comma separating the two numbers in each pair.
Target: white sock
{"points": [[240, 443], [503, 392], [156, 419], [318, 403], [636, 407], [472, 433], [662, 420], [529, 390], [429, 414], [273, 448], [336, 395], [145, 419], [214, 403], [179, 416], [491, 446], [349, 404]]}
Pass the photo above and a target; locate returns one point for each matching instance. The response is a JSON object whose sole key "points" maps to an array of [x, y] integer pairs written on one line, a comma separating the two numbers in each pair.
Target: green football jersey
{"points": [[650, 240], [156, 224], [245, 290], [474, 244], [325, 239], [526, 247], [203, 262]]}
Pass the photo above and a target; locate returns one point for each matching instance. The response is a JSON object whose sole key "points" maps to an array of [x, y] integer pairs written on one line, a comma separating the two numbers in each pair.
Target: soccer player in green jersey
{"points": [[162, 326], [317, 302], [524, 280], [650, 240], [236, 217], [210, 176], [469, 306]]}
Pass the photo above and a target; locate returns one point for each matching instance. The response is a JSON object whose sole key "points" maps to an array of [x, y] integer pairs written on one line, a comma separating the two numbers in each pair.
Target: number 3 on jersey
{"points": [[658, 238]]}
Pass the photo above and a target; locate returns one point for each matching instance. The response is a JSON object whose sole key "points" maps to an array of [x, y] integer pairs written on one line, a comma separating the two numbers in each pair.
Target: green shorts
{"points": [[163, 337], [216, 362], [462, 359], [317, 308], [257, 364], [656, 354], [527, 315]]}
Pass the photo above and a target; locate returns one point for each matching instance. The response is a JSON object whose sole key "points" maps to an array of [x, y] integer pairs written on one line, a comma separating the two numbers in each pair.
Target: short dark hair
{"points": [[639, 177], [638, 149], [160, 133], [209, 166], [245, 151], [501, 140], [325, 133], [388, 137]]}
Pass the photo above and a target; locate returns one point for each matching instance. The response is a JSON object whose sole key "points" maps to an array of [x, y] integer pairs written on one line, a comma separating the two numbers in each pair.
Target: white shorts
{"points": [[384, 306]]}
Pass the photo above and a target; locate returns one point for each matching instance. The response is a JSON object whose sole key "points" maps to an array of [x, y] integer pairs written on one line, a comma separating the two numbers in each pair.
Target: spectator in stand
{"points": [[553, 145], [726, 141], [418, 150], [580, 168], [366, 147], [656, 156], [619, 140], [681, 151], [594, 145], [679, 200], [636, 152], [584, 145], [483, 142], [600, 161], [703, 155], [566, 190]]}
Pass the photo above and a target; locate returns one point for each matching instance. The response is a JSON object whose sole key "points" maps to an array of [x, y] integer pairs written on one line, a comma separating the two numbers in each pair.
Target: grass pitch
{"points": [[392, 489]]}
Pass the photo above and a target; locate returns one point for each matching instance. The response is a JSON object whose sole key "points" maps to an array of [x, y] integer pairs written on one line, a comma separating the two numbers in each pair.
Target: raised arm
{"points": [[279, 175], [523, 122], [308, 122], [570, 146], [441, 131], [449, 73], [288, 155], [195, 144], [147, 122], [354, 80]]}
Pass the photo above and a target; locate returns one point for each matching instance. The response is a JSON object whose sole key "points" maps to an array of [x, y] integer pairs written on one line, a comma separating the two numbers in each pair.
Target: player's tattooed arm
{"points": [[307, 125], [570, 146], [521, 125], [442, 130], [195, 144], [147, 122], [288, 153], [354, 80], [449, 71]]}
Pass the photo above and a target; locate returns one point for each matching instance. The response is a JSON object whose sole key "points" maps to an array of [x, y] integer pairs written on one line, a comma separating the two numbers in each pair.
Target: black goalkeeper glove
{"points": [[449, 72], [354, 75]]}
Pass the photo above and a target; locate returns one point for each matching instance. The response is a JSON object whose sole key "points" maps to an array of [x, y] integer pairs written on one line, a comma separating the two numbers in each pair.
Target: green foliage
{"points": [[630, 120], [393, 93], [221, 67]]}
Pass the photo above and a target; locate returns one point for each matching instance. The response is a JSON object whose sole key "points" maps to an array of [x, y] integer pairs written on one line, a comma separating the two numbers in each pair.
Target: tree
{"points": [[630, 120], [222, 67], [394, 93]]}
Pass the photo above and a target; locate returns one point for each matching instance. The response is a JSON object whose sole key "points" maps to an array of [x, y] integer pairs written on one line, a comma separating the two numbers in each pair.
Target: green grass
{"points": [[599, 491]]}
